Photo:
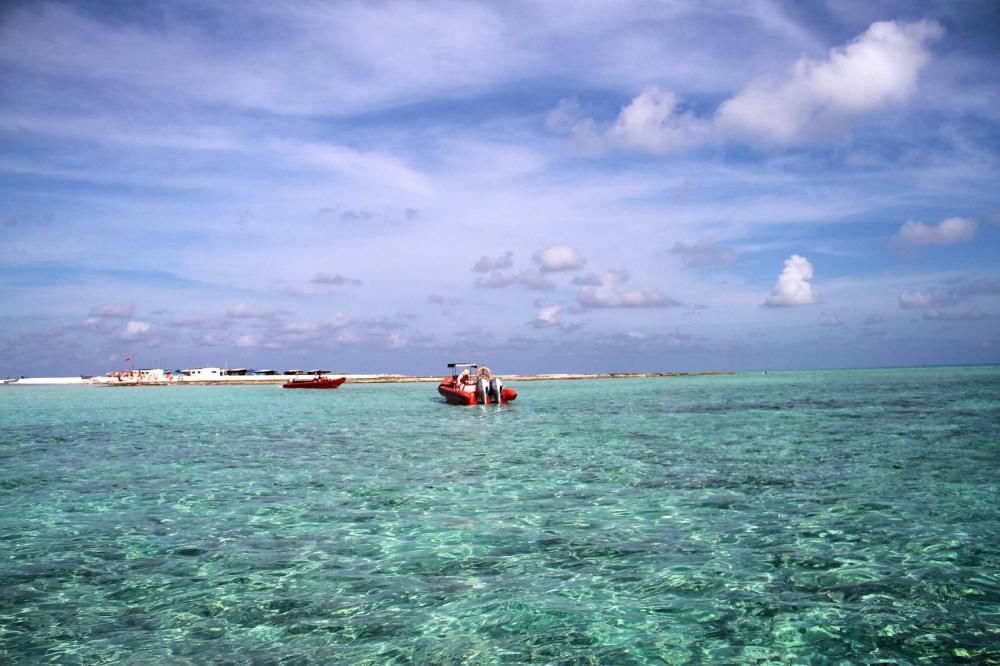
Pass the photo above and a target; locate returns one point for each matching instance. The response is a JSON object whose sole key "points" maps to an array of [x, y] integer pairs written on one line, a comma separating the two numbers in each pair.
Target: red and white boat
{"points": [[473, 384], [315, 383]]}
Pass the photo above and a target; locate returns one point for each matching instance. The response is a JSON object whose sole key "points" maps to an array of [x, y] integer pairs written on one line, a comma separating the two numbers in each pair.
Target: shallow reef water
{"points": [[834, 517]]}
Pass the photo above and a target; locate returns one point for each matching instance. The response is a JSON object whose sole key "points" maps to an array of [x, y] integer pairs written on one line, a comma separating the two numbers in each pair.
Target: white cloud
{"points": [[910, 299], [337, 320], [952, 293], [136, 329], [548, 315], [652, 122], [500, 276], [880, 67], [335, 280], [344, 56], [246, 342], [302, 327], [952, 231], [559, 258], [793, 287], [247, 311], [553, 317], [488, 265], [527, 278], [974, 314], [608, 293], [121, 310]]}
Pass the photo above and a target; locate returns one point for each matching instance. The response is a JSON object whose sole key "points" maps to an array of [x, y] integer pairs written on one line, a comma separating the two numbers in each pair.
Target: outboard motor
{"points": [[496, 389], [481, 391]]}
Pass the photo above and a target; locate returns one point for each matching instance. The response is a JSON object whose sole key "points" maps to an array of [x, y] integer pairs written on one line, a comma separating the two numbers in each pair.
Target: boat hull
{"points": [[315, 383], [457, 394]]}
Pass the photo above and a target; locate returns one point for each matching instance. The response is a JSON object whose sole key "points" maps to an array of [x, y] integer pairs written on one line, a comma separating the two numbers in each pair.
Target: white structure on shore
{"points": [[193, 376]]}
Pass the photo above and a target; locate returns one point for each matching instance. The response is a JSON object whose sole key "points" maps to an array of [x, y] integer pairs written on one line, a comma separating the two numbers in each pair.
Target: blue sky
{"points": [[541, 186]]}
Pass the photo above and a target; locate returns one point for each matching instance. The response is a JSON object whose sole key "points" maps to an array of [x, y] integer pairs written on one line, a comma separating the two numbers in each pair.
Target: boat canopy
{"points": [[463, 365]]}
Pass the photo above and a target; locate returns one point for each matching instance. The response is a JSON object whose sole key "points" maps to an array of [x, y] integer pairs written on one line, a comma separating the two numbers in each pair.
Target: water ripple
{"points": [[837, 517]]}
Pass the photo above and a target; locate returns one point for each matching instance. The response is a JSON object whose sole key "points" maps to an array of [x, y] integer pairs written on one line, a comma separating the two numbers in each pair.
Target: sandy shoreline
{"points": [[357, 379], [402, 379], [388, 379]]}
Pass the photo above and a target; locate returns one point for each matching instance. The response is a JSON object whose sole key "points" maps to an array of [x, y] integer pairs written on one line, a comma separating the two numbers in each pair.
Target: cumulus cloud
{"points": [[954, 230], [703, 254], [500, 274], [553, 317], [338, 320], [111, 311], [652, 122], [488, 265], [793, 287], [878, 68], [548, 315], [246, 342], [935, 299], [335, 280], [135, 330], [527, 278], [914, 299], [607, 291], [559, 258]]}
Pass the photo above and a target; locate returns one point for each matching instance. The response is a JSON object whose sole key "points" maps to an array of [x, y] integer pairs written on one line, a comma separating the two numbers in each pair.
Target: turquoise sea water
{"points": [[824, 517]]}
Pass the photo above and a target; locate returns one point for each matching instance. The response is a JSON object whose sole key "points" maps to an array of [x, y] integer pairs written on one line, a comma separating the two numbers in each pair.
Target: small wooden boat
{"points": [[474, 385], [315, 383]]}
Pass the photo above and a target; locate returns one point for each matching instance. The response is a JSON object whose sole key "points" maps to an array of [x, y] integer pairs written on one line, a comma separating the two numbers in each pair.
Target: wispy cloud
{"points": [[703, 254], [113, 310], [227, 177], [937, 300], [248, 311]]}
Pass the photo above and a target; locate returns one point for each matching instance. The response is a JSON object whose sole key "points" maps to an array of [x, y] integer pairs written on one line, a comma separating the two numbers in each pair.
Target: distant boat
{"points": [[315, 383], [474, 384]]}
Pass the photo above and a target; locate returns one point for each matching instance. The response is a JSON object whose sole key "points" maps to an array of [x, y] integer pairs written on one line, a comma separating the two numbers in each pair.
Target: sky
{"points": [[557, 186]]}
